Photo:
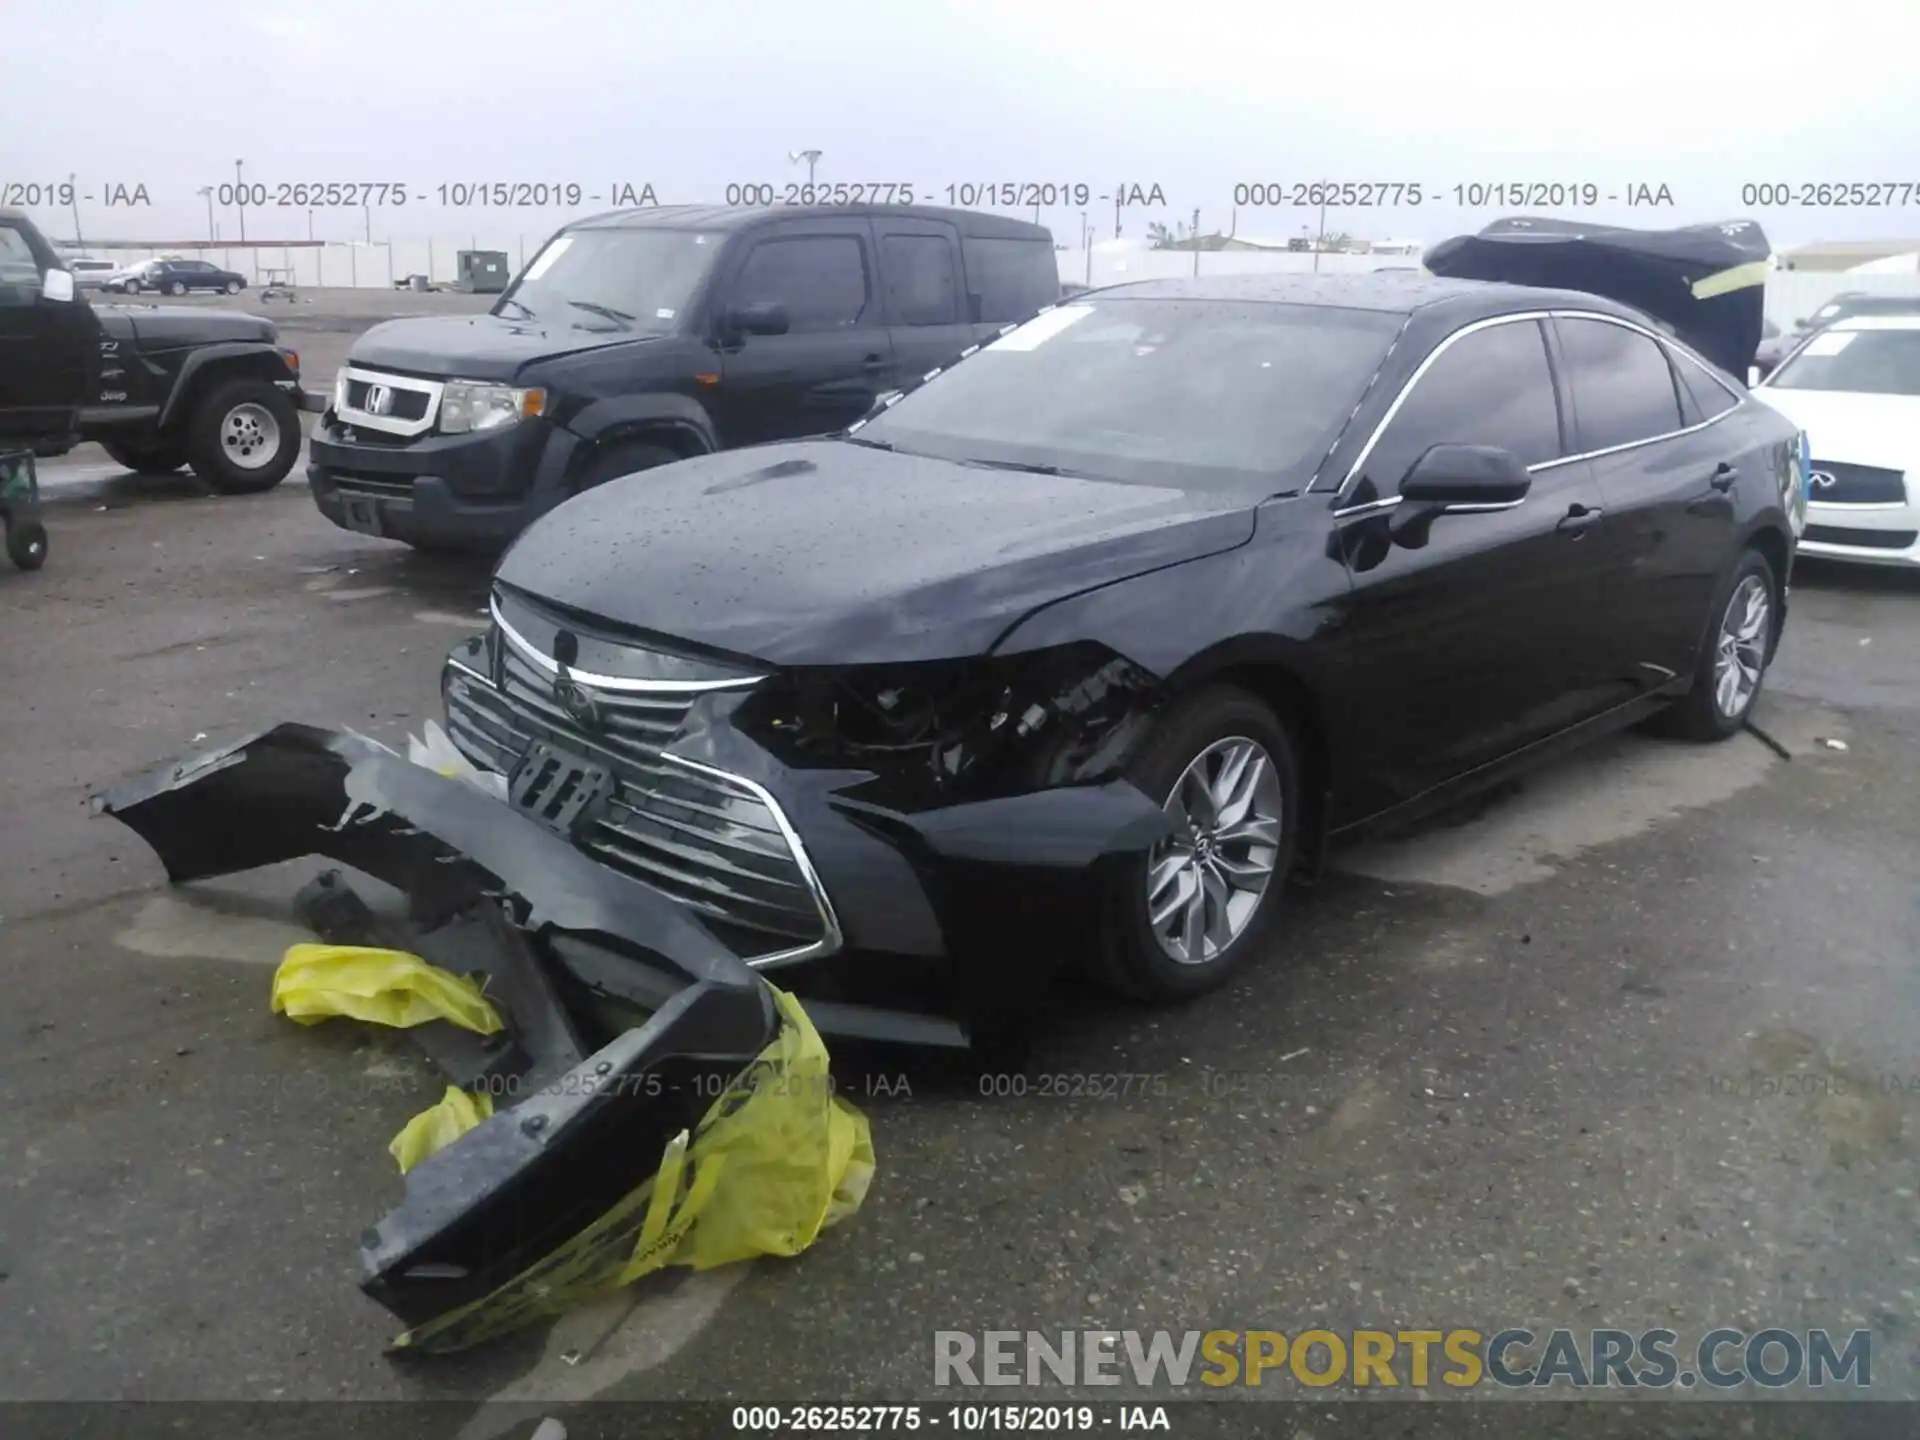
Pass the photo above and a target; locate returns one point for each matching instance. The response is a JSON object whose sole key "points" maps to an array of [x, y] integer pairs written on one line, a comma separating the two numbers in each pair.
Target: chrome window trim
{"points": [[618, 683], [432, 389], [1667, 343], [830, 942]]}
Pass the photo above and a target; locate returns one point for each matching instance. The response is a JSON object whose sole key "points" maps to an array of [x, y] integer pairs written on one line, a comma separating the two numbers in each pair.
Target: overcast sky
{"points": [[1193, 95]]}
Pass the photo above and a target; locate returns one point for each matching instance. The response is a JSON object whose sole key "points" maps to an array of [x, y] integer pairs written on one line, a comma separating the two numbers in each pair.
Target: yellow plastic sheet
{"points": [[383, 987], [775, 1160], [436, 1128]]}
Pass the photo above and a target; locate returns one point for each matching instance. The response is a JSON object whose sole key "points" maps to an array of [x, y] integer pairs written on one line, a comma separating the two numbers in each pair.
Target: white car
{"points": [[1855, 390]]}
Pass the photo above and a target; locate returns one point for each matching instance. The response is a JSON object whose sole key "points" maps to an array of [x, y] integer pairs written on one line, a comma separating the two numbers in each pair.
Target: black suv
{"points": [[645, 336], [175, 277], [158, 386]]}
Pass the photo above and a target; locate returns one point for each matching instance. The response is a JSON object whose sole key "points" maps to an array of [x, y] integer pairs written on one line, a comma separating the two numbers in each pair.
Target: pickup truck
{"points": [[157, 386]]}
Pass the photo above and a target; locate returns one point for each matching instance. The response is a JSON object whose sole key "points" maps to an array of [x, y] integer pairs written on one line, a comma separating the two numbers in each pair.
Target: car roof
{"points": [[972, 223], [1393, 292]]}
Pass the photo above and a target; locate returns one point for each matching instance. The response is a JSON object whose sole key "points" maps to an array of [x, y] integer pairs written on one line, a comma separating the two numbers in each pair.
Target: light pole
{"points": [[812, 157], [207, 190], [368, 208], [240, 198], [1195, 237], [1320, 240], [310, 222], [1086, 244], [73, 196]]}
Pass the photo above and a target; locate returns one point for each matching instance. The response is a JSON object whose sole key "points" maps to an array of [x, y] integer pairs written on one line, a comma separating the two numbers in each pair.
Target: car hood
{"points": [[476, 347], [162, 327], [1881, 430], [825, 552]]}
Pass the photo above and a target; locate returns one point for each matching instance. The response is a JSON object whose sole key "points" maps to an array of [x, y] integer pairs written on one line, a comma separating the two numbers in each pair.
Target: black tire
{"points": [[1699, 715], [622, 458], [160, 457], [1130, 958], [130, 287], [233, 287], [177, 287], [223, 465], [27, 544]]}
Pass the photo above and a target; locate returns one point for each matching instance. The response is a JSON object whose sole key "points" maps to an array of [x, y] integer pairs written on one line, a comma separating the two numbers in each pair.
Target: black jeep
{"points": [[158, 387], [645, 336]]}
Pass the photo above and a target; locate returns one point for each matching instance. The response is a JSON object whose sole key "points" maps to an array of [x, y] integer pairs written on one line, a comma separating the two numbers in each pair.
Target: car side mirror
{"points": [[1455, 480], [765, 317], [57, 286]]}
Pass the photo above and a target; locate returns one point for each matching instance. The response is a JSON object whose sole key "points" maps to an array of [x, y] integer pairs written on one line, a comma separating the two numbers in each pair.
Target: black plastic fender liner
{"points": [[509, 1191]]}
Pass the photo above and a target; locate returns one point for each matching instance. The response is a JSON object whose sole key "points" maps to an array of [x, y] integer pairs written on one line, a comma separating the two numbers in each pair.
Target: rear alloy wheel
{"points": [[177, 287], [161, 458], [1733, 662], [244, 437], [130, 287], [233, 287], [1185, 916]]}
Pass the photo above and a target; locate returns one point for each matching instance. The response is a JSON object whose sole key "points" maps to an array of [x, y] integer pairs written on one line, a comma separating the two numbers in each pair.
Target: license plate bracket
{"points": [[563, 791], [362, 515]]}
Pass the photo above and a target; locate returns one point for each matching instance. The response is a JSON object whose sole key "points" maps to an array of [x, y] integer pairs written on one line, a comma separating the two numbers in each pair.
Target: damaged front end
{"points": [[489, 892], [914, 847]]}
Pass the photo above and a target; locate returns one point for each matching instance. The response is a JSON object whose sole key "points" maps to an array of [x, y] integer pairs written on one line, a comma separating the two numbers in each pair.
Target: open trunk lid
{"points": [[1708, 282]]}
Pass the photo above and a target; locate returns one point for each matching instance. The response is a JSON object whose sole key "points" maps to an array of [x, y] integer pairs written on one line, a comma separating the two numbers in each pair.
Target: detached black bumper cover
{"points": [[482, 1210]]}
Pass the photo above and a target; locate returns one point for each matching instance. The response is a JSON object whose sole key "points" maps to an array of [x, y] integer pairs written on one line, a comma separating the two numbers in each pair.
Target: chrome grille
{"points": [[710, 840], [1836, 483]]}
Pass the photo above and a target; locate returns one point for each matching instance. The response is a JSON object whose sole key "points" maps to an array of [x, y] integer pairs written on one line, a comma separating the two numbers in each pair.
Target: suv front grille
{"points": [[1865, 539], [710, 840], [1855, 484]]}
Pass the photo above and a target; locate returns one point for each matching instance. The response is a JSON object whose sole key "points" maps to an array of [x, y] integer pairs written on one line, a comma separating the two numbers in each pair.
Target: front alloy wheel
{"points": [[1181, 918], [1205, 883]]}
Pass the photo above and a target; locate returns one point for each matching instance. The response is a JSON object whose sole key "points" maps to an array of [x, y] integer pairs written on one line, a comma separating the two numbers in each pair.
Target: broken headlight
{"points": [[958, 729]]}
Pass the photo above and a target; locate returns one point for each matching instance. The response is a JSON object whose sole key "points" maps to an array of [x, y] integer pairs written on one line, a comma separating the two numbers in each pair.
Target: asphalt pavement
{"points": [[1631, 1044]]}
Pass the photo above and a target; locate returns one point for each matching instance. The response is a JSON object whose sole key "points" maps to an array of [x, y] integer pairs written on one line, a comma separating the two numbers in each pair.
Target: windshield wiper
{"points": [[606, 312], [508, 300], [1024, 467], [870, 444]]}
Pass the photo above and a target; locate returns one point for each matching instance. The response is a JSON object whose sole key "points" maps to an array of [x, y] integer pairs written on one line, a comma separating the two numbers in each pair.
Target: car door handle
{"points": [[1723, 476], [873, 364], [1578, 519]]}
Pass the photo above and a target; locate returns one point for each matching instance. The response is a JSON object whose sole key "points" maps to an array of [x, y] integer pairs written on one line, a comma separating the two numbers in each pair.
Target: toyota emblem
{"points": [[379, 399], [1823, 479]]}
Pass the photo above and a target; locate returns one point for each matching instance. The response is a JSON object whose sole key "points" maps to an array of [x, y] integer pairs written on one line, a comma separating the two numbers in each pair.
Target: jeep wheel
{"points": [[177, 287], [244, 437], [159, 457], [233, 287]]}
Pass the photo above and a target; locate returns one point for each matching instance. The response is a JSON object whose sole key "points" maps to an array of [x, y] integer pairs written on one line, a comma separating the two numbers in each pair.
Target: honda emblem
{"points": [[379, 400]]}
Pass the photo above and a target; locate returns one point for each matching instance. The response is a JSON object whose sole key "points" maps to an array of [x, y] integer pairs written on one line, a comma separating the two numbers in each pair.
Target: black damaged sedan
{"points": [[1075, 652]]}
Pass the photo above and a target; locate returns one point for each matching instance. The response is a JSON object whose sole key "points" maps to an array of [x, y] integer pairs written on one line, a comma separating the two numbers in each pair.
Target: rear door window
{"points": [[920, 278], [1010, 280], [1489, 387], [1623, 387]]}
